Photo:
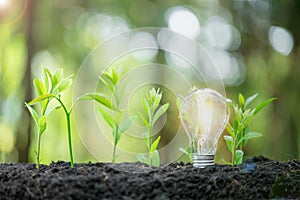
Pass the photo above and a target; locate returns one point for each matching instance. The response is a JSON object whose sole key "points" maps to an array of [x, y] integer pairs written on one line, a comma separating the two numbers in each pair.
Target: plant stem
{"points": [[70, 138], [149, 138], [38, 151], [39, 140], [69, 130], [115, 145]]}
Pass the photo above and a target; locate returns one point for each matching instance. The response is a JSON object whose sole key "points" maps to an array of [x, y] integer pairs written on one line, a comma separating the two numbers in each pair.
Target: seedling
{"points": [[152, 112], [188, 153], [51, 87], [113, 115], [239, 132]]}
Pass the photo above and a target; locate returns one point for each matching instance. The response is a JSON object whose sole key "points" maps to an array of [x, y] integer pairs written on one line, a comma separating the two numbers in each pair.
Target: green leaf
{"points": [[98, 97], [230, 143], [156, 101], [39, 86], [251, 135], [115, 76], [128, 122], [250, 99], [40, 98], [42, 124], [160, 112], [49, 110], [154, 145], [155, 161], [65, 84], [152, 94], [238, 159], [107, 116], [185, 151], [241, 100], [141, 158], [33, 113], [230, 130], [56, 79], [108, 75], [48, 80], [147, 108], [143, 119], [235, 123], [262, 105], [107, 84], [227, 163]]}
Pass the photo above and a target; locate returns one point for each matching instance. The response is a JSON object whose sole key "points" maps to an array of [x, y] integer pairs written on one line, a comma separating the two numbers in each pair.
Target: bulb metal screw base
{"points": [[202, 160]]}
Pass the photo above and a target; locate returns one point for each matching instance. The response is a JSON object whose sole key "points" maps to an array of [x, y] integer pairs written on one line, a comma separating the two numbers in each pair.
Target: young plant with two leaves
{"points": [[50, 89], [239, 131], [152, 112]]}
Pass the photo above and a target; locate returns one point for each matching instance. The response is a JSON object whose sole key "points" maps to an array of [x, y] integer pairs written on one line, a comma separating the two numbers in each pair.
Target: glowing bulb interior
{"points": [[204, 115]]}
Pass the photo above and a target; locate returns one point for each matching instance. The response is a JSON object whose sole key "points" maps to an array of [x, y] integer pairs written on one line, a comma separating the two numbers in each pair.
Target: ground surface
{"points": [[259, 178]]}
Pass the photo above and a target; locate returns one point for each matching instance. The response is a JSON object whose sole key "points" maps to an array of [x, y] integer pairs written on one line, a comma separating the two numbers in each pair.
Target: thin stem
{"points": [[38, 151], [149, 138], [70, 139], [115, 145], [69, 130], [150, 129]]}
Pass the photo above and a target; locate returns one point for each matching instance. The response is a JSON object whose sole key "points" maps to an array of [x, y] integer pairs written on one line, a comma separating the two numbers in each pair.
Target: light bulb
{"points": [[204, 114]]}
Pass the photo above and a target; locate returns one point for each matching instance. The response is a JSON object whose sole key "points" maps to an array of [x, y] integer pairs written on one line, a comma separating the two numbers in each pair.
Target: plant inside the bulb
{"points": [[239, 131], [152, 112]]}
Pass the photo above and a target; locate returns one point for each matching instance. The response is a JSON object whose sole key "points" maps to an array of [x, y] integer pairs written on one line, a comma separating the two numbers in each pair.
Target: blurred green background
{"points": [[254, 44]]}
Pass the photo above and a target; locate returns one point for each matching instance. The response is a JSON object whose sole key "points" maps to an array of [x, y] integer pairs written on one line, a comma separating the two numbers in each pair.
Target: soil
{"points": [[258, 178]]}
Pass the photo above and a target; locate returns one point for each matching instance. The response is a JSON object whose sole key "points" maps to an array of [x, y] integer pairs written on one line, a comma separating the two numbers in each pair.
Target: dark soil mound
{"points": [[258, 178]]}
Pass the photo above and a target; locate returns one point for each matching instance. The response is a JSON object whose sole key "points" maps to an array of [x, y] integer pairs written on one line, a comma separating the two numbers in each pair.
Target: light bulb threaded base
{"points": [[202, 160]]}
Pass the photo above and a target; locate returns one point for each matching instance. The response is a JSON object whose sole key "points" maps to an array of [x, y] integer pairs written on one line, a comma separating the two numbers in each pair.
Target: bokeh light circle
{"points": [[12, 10]]}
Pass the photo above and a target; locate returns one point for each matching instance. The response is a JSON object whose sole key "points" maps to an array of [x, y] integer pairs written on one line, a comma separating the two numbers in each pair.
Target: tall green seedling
{"points": [[239, 131], [114, 115], [152, 111], [48, 89]]}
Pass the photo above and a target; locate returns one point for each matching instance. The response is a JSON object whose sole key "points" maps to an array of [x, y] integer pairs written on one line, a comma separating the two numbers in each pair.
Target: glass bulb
{"points": [[204, 114]]}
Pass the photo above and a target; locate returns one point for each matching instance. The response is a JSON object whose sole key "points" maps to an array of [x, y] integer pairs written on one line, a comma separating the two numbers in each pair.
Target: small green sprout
{"points": [[112, 114], [188, 153], [239, 132], [51, 87], [153, 112]]}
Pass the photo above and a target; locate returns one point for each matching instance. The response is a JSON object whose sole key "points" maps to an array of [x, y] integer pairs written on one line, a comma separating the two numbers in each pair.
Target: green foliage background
{"points": [[60, 34]]}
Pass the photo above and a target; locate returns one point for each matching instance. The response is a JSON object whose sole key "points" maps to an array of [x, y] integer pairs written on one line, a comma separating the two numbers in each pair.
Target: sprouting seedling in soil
{"points": [[50, 89], [188, 152], [239, 132], [113, 115], [153, 112]]}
